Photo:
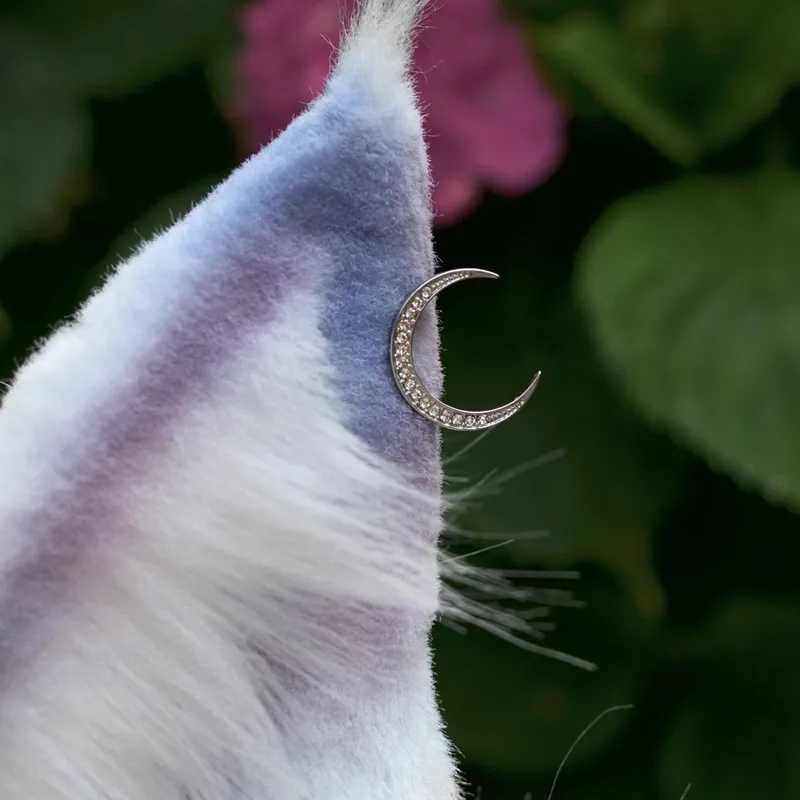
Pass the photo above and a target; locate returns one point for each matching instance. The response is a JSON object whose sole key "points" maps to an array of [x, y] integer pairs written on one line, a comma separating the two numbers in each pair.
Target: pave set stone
{"points": [[407, 380]]}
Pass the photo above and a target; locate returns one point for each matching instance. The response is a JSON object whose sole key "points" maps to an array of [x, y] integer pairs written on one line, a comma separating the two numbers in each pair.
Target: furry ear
{"points": [[379, 45], [218, 518]]}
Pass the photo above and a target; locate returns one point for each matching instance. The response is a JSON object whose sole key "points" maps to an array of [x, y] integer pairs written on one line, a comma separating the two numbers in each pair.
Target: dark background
{"points": [[654, 279]]}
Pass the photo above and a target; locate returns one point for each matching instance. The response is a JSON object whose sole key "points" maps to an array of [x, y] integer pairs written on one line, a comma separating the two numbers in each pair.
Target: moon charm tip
{"points": [[408, 381]]}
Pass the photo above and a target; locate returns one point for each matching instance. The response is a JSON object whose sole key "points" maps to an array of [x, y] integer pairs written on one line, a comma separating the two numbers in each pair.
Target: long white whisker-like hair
{"points": [[219, 521]]}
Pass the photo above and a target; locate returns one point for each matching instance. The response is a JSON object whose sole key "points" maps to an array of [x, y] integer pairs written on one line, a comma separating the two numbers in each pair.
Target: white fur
{"points": [[221, 541], [192, 658], [380, 45]]}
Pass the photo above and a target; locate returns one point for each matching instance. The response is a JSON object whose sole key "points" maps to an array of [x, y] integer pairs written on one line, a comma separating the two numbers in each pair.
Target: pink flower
{"points": [[491, 123]]}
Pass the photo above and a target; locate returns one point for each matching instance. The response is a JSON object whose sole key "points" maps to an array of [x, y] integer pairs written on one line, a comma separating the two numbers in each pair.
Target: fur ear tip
{"points": [[379, 44]]}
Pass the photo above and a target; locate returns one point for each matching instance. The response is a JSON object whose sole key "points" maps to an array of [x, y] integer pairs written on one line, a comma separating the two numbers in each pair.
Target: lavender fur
{"points": [[153, 450]]}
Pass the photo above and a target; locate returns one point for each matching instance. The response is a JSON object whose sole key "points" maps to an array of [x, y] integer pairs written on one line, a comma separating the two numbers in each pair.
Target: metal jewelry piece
{"points": [[409, 382]]}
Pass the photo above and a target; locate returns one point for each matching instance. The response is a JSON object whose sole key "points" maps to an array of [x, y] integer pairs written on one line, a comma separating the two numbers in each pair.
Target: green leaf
{"points": [[549, 10], [623, 477], [115, 46], [598, 56], [739, 733], [575, 462], [729, 63], [687, 76], [693, 292], [512, 712], [44, 136]]}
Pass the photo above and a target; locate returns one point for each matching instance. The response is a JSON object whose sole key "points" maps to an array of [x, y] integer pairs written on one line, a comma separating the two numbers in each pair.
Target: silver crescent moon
{"points": [[410, 384]]}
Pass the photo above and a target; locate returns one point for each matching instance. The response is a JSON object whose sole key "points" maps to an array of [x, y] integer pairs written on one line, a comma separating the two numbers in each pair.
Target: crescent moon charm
{"points": [[408, 381]]}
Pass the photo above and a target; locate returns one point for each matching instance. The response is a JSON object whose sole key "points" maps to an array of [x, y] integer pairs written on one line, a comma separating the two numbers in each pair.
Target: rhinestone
{"points": [[434, 412], [401, 338], [411, 385], [483, 419], [403, 373], [446, 415], [427, 292], [416, 394], [470, 422], [417, 303], [425, 402], [458, 419]]}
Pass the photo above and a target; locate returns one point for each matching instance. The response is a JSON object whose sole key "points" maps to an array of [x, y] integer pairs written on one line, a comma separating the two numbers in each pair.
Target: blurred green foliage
{"points": [[654, 280]]}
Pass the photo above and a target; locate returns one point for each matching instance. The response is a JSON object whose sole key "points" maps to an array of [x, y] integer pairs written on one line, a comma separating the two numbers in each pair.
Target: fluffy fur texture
{"points": [[218, 518]]}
